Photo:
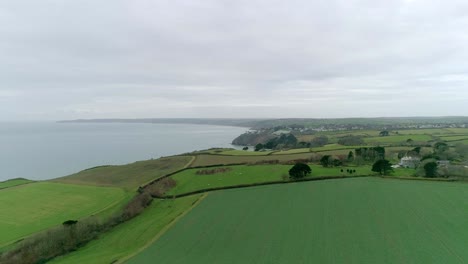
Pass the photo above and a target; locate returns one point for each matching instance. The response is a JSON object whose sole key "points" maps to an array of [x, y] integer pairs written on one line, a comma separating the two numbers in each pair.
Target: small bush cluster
{"points": [[159, 188], [212, 171], [349, 171], [262, 162]]}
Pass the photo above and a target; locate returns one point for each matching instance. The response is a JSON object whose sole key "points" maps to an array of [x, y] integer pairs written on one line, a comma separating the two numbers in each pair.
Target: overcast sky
{"points": [[67, 59]]}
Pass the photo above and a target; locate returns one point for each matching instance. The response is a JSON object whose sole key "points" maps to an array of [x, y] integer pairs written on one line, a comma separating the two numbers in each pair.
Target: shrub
{"points": [[299, 170]]}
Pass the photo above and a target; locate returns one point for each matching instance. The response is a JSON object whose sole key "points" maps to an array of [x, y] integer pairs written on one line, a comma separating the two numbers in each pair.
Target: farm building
{"points": [[409, 162]]}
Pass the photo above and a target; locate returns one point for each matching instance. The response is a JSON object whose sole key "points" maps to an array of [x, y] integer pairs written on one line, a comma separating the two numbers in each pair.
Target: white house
{"points": [[409, 162]]}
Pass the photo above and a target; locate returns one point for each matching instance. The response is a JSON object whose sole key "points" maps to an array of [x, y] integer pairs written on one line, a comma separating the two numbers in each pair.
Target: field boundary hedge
{"points": [[418, 179], [239, 186]]}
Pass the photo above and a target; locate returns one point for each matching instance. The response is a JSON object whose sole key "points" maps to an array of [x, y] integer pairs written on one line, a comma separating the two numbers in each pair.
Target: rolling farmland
{"points": [[362, 220]]}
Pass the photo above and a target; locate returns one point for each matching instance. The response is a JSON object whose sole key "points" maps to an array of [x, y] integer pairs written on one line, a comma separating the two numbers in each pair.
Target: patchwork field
{"points": [[30, 208], [188, 180], [361, 220]]}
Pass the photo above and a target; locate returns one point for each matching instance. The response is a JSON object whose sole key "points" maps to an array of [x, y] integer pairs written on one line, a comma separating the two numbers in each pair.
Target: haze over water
{"points": [[45, 150]]}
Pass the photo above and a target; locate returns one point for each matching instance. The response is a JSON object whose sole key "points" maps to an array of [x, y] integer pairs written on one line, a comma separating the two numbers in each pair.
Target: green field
{"points": [[188, 180], [236, 152], [397, 139], [128, 176], [454, 138], [14, 182], [129, 237], [30, 208], [361, 220], [207, 160]]}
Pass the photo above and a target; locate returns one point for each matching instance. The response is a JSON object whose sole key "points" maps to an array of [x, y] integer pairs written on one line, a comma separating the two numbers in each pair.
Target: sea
{"points": [[46, 150]]}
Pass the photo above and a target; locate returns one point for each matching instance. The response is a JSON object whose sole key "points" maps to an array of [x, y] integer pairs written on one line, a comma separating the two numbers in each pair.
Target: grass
{"points": [[206, 160], [188, 180], [130, 236], [397, 139], [235, 152], [30, 208], [292, 151], [129, 176], [454, 138], [426, 131], [14, 182], [361, 220]]}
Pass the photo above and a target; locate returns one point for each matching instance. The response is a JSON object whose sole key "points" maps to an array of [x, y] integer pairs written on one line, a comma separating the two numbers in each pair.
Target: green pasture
{"points": [[188, 180], [426, 131], [30, 208], [397, 139], [292, 151], [14, 182], [236, 152], [360, 220], [129, 237], [207, 160], [128, 176], [454, 138], [458, 130]]}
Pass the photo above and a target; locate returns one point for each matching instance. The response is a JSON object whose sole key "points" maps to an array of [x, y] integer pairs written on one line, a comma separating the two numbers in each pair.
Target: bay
{"points": [[46, 150]]}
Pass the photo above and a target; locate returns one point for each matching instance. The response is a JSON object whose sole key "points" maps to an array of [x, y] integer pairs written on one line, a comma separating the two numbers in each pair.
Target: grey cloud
{"points": [[141, 58]]}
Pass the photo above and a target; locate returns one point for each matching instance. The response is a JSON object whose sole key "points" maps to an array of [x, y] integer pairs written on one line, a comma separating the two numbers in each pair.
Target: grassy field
{"points": [[131, 236], [427, 131], [361, 220], [454, 138], [14, 182], [188, 180], [128, 176], [235, 152], [206, 160], [397, 139], [30, 208]]}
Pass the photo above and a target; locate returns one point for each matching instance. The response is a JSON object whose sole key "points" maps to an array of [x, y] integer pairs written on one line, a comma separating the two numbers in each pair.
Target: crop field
{"points": [[128, 176], [130, 236], [13, 182], [30, 208], [188, 180], [360, 220]]}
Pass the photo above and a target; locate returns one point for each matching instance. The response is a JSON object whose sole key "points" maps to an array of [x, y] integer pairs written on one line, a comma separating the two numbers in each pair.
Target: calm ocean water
{"points": [[42, 151]]}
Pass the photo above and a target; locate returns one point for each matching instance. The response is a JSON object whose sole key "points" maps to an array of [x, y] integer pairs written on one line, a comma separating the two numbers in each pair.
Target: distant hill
{"points": [[330, 123], [197, 121]]}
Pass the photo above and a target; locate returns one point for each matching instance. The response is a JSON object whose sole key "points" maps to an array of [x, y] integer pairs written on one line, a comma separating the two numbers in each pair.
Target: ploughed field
{"points": [[359, 220]]}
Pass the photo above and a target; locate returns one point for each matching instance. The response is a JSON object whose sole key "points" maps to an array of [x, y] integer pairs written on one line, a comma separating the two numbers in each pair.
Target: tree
{"points": [[351, 140], [383, 167], [350, 156], [258, 147], [245, 148], [326, 161], [319, 141], [384, 133], [440, 147], [299, 170], [430, 169]]}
